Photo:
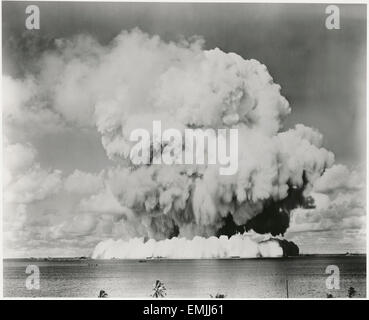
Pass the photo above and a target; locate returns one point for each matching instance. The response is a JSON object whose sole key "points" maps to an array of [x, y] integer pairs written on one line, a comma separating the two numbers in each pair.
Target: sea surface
{"points": [[304, 277]]}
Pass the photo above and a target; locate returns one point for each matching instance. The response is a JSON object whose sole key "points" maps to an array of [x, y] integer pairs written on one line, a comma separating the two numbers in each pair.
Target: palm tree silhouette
{"points": [[351, 292], [103, 294], [218, 295], [159, 290]]}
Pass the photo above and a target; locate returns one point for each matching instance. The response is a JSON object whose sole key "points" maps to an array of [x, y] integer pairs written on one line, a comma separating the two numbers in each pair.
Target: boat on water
{"points": [[155, 258]]}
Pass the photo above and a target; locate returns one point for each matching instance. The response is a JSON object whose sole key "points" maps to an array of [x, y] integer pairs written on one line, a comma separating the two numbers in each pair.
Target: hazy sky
{"points": [[321, 72]]}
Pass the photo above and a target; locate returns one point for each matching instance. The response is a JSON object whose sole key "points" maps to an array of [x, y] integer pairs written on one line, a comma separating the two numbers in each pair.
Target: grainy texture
{"points": [[244, 278]]}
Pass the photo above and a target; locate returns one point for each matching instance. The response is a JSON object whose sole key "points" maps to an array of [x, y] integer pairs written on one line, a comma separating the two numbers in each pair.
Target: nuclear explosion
{"points": [[200, 157], [187, 87], [189, 149]]}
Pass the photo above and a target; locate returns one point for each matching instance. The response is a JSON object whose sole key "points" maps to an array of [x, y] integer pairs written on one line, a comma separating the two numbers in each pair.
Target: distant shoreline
{"points": [[83, 258]]}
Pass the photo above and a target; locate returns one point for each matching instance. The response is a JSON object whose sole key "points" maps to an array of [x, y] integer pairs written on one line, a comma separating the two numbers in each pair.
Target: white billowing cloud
{"points": [[198, 248], [27, 186], [24, 110], [102, 202], [83, 182], [17, 94], [321, 200], [24, 183], [140, 78], [25, 180], [80, 225], [341, 214], [339, 196], [35, 184], [14, 222], [18, 156], [217, 88], [338, 178]]}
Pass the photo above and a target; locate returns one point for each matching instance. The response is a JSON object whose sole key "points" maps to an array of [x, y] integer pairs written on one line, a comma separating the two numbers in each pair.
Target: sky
{"points": [[321, 73]]}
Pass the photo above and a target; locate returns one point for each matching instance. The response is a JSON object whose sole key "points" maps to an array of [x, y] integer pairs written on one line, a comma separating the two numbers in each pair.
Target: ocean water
{"points": [[237, 278]]}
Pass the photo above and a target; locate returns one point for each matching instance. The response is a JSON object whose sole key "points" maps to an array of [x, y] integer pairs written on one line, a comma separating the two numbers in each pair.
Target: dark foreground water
{"points": [[248, 278]]}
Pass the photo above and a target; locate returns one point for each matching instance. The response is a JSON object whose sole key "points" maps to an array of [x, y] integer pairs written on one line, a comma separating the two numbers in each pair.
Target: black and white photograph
{"points": [[184, 150]]}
